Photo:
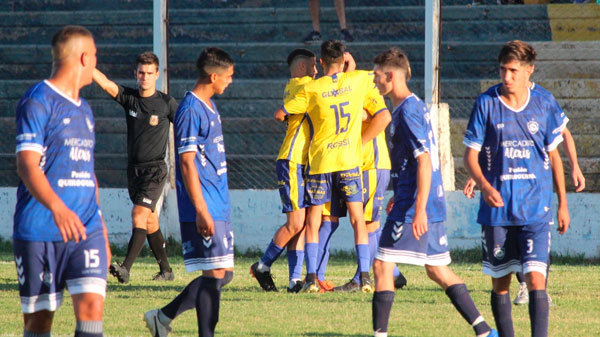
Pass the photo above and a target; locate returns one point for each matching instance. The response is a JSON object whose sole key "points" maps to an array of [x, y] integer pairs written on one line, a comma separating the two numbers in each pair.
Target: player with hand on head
{"points": [[59, 236], [414, 232], [202, 198], [148, 113], [512, 139], [290, 167]]}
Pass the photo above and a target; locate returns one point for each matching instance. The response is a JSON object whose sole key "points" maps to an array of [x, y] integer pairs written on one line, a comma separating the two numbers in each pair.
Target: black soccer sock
{"points": [[207, 306], [538, 313], [157, 245], [459, 295], [382, 306], [88, 329], [520, 277], [502, 310], [185, 301], [228, 278], [138, 236]]}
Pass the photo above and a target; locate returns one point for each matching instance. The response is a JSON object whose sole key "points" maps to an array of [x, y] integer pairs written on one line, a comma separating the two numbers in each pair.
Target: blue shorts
{"points": [[515, 248], [207, 253], [290, 181], [398, 245], [375, 182], [321, 188], [45, 268]]}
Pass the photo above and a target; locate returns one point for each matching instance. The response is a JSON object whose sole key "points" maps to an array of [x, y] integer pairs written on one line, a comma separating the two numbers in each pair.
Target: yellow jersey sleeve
{"points": [[297, 137], [374, 102], [297, 103], [375, 152]]}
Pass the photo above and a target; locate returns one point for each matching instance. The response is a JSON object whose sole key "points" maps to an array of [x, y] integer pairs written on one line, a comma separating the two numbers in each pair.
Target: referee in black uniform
{"points": [[148, 113]]}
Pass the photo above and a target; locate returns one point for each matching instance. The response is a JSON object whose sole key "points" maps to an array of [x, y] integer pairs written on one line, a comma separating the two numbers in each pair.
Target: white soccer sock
{"points": [[379, 334], [293, 282]]}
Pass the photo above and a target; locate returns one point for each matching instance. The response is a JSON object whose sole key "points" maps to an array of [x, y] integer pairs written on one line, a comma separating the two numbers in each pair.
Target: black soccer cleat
{"points": [[399, 281], [164, 276], [265, 279], [121, 273], [313, 36], [365, 283], [349, 287], [296, 288], [346, 36]]}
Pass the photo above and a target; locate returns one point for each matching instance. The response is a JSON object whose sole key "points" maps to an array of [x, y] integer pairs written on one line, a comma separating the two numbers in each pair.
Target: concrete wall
{"points": [[256, 214]]}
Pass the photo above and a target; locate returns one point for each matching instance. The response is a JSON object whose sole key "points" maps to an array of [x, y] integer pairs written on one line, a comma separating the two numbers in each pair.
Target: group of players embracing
{"points": [[334, 160]]}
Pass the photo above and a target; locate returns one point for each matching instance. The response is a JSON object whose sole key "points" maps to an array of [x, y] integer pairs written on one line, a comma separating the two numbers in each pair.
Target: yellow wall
{"points": [[575, 22]]}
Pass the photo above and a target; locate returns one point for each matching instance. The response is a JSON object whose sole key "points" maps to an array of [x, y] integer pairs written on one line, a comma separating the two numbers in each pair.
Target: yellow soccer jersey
{"points": [[334, 105], [375, 152], [297, 137]]}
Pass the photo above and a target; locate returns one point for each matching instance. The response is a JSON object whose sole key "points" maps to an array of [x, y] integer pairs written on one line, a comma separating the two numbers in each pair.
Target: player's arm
{"points": [[377, 125], [491, 196], [569, 147], [419, 226], [469, 189], [349, 63], [280, 115], [107, 85], [28, 169], [558, 175], [204, 221]]}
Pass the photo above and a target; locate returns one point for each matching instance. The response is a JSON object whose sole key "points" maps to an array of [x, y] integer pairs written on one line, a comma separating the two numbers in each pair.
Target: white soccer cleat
{"points": [[522, 295], [157, 329]]}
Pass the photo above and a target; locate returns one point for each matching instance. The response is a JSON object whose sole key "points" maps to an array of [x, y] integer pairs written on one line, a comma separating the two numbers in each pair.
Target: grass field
{"points": [[420, 309]]}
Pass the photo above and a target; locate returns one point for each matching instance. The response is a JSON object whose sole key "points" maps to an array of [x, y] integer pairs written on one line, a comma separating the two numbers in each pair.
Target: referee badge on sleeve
{"points": [[153, 120]]}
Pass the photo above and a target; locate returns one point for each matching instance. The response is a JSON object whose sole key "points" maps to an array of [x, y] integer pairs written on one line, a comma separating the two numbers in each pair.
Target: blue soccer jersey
{"points": [[412, 135], [514, 146], [198, 129], [61, 130]]}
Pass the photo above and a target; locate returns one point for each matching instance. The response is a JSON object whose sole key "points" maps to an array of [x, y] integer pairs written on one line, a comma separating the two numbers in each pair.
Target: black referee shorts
{"points": [[145, 183]]}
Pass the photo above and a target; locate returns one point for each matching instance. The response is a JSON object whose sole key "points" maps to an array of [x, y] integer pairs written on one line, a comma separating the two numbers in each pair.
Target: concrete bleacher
{"points": [[260, 33]]}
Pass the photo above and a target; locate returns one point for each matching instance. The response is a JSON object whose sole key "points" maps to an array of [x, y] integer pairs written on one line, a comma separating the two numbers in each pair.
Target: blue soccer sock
{"points": [[295, 260], [207, 305], [311, 250], [538, 313], [381, 307], [88, 329], [271, 254], [459, 295], [502, 310], [325, 232], [362, 255], [373, 243]]}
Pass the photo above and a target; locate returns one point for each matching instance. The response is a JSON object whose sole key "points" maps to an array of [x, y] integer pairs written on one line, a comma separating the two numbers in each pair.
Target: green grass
{"points": [[421, 309]]}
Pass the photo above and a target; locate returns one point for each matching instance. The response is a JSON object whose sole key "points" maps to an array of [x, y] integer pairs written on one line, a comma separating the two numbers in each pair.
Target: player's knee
{"points": [[535, 281], [501, 285], [88, 306], [139, 216]]}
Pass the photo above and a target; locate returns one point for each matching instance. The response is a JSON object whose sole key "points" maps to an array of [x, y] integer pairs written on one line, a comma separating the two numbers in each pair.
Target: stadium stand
{"points": [[259, 33]]}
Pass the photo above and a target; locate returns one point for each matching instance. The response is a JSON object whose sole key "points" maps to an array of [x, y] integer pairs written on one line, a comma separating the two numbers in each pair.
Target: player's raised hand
{"points": [[389, 206], [578, 179], [419, 225], [349, 63], [564, 219], [205, 224], [469, 189], [492, 197], [68, 223]]}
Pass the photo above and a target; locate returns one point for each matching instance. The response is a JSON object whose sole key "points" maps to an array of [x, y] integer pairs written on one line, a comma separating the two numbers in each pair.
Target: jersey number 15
{"points": [[339, 114]]}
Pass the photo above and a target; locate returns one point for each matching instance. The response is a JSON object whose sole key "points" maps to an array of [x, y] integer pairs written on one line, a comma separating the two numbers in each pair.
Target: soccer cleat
{"points": [[346, 36], [310, 287], [493, 333], [350, 287], [522, 295], [265, 279], [296, 288], [399, 281], [121, 273], [313, 36], [326, 286], [365, 285], [164, 276], [157, 329]]}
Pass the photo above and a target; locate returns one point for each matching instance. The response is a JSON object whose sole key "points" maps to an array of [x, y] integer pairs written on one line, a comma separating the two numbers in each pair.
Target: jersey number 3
{"points": [[339, 114]]}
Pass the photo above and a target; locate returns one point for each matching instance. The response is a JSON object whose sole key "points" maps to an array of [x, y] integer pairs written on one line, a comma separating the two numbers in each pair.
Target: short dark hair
{"points": [[147, 57], [212, 57], [64, 35], [332, 51], [517, 50], [299, 53], [396, 58]]}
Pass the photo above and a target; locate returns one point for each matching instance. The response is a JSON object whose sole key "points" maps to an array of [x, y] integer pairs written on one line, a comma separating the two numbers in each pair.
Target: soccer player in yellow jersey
{"points": [[334, 105], [290, 167]]}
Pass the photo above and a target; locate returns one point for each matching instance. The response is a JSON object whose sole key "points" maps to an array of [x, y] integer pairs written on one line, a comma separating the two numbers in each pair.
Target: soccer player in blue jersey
{"points": [[59, 235], [202, 198], [512, 154], [414, 232]]}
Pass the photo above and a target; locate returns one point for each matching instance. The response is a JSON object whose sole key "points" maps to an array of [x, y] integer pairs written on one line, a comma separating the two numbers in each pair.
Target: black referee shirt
{"points": [[147, 124]]}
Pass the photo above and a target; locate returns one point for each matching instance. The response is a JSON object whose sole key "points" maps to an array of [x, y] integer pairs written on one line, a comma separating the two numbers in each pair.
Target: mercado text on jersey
{"points": [[198, 129], [513, 150], [334, 105], [61, 130]]}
